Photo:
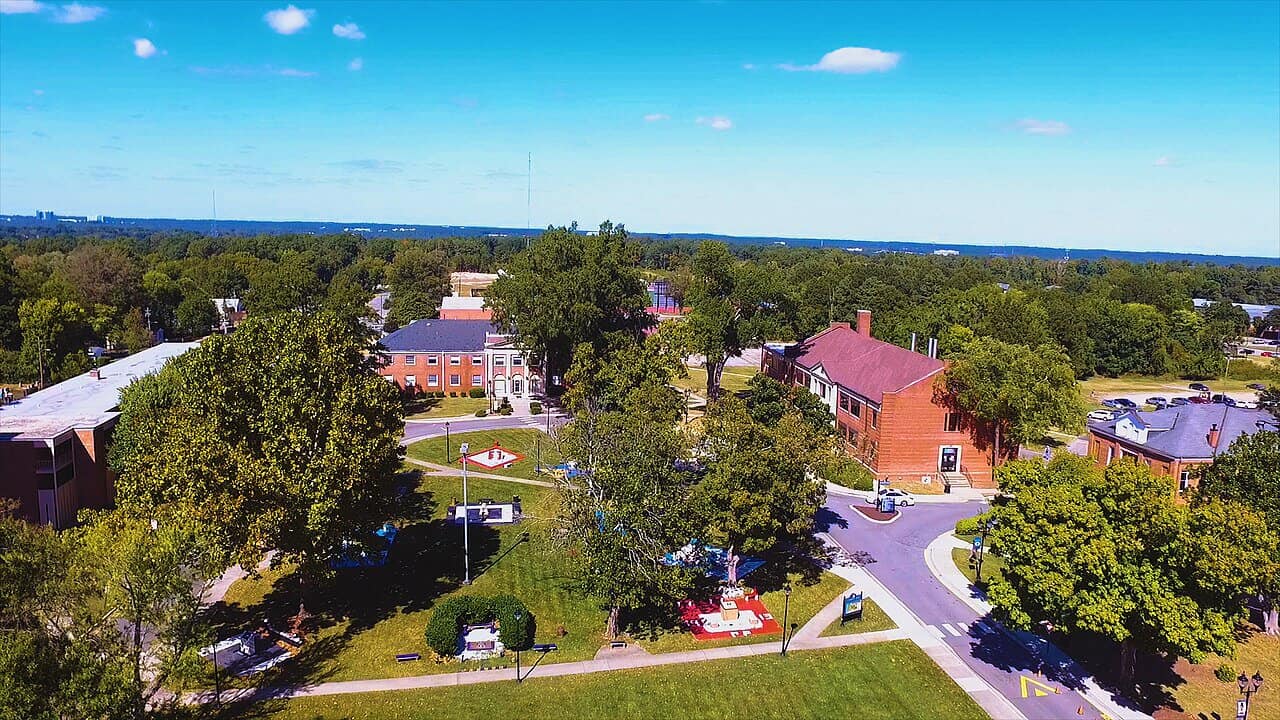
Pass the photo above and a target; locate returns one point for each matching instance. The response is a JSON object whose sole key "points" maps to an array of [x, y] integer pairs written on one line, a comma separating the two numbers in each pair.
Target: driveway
{"points": [[894, 554], [415, 430]]}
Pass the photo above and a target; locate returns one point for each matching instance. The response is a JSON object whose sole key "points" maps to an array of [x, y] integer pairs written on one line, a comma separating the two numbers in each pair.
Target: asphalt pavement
{"points": [[894, 554], [415, 430]]}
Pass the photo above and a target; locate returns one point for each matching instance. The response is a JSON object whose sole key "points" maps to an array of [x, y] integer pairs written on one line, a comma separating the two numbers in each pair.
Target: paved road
{"points": [[894, 555], [415, 430]]}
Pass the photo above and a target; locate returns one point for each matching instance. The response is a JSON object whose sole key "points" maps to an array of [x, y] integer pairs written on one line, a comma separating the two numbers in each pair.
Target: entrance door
{"points": [[949, 461], [516, 386], [499, 387]]}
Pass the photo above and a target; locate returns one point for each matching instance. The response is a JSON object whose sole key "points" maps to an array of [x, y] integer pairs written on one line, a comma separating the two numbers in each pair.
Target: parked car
{"points": [[1223, 400], [1199, 400], [900, 497], [1179, 402], [1247, 404], [1120, 403], [1268, 354], [1246, 351], [1199, 387], [1101, 415], [1157, 400], [1257, 386]]}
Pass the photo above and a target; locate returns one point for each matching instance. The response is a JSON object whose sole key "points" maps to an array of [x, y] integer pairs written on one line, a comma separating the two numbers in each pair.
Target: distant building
{"points": [[456, 356], [53, 443], [455, 307], [1256, 312], [882, 399], [231, 311], [471, 284], [379, 307], [1174, 440]]}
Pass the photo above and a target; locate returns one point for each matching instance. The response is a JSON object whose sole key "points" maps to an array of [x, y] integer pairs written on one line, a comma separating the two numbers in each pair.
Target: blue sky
{"points": [[1126, 126]]}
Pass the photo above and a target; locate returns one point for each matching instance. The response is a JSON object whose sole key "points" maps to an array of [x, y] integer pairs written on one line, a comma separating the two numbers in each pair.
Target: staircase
{"points": [[955, 480]]}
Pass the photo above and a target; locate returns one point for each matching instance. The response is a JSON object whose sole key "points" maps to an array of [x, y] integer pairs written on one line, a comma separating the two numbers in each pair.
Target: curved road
{"points": [[894, 554], [415, 430]]}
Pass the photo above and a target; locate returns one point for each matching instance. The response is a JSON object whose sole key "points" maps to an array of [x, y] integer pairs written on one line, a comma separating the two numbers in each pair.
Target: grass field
{"points": [[523, 441], [1203, 695], [1096, 389], [733, 379], [446, 407], [873, 620], [992, 566], [885, 681]]}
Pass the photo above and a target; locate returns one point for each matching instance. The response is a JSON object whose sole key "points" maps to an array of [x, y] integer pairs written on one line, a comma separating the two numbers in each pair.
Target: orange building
{"points": [[885, 409], [457, 356]]}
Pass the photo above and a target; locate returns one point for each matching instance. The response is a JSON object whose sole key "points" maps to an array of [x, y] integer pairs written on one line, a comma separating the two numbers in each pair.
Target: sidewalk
{"points": [[445, 470], [962, 495], [938, 557]]}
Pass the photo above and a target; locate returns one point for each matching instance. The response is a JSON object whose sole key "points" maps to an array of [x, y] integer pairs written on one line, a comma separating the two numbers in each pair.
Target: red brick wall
{"points": [[95, 482], [465, 314], [913, 433], [1172, 469], [422, 371], [18, 478]]}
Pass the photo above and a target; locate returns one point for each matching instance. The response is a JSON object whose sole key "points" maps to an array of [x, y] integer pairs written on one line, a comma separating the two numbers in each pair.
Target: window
{"points": [[499, 360], [952, 422], [822, 390], [410, 381], [455, 380], [455, 360], [851, 405], [389, 378], [410, 360], [1184, 481], [875, 418], [433, 360], [1110, 454], [516, 361], [477, 381], [433, 380], [477, 359]]}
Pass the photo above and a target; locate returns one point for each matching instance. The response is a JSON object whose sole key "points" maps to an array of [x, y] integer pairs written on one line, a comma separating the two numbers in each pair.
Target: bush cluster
{"points": [[535, 407], [453, 612], [476, 392], [481, 412], [1225, 673]]}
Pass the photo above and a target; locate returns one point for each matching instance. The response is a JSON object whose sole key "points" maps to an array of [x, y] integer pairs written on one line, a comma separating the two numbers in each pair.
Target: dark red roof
{"points": [[867, 366]]}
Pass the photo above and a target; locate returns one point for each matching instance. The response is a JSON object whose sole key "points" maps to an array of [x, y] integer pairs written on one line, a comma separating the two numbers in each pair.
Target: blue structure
{"points": [[374, 555]]}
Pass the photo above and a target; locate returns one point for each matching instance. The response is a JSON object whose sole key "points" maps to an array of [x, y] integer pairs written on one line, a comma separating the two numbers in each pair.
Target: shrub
{"points": [[476, 392], [535, 407], [969, 525], [849, 473], [1225, 673], [440, 394], [453, 394], [452, 613], [504, 410], [481, 412], [1260, 369]]}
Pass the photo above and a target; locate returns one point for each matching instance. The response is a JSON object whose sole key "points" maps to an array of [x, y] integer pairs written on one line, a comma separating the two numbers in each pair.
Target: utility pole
{"points": [[466, 517]]}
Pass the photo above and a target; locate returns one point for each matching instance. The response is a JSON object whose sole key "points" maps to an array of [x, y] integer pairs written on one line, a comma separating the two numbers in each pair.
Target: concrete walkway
{"points": [[446, 471], [938, 558]]}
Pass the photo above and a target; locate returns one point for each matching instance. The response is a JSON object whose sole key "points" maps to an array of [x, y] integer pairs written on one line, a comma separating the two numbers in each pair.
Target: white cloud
{"points": [[144, 48], [37, 91], [294, 72], [76, 13], [350, 31], [20, 7], [719, 122], [1166, 161], [1031, 126], [748, 66], [851, 61], [289, 20], [656, 117], [356, 64]]}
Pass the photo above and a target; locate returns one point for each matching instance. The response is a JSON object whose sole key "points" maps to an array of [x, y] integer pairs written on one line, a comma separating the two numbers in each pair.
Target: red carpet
{"points": [[691, 612]]}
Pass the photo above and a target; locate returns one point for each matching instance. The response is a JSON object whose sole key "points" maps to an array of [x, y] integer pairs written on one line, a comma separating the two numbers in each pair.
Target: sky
{"points": [[1146, 126]]}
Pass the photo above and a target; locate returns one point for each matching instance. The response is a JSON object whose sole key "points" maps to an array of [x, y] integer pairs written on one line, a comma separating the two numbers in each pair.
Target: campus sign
{"points": [[852, 606]]}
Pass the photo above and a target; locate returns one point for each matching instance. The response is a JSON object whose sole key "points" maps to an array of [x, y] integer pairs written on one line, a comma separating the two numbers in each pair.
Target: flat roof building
{"points": [[53, 443]]}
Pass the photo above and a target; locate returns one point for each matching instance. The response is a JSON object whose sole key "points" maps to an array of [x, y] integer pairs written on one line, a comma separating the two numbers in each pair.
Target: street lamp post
{"points": [[518, 616], [447, 457], [1248, 687], [786, 608], [466, 517]]}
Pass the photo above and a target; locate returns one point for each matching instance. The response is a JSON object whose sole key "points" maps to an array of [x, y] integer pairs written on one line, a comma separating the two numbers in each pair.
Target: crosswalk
{"points": [[960, 629]]}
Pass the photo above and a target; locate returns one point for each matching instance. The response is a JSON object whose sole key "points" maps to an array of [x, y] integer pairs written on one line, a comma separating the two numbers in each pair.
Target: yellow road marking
{"points": [[1039, 688]]}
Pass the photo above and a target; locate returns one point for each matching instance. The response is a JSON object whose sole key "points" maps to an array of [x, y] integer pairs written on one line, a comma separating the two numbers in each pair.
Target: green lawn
{"points": [[446, 407], [523, 441], [885, 681], [733, 379], [1203, 695], [992, 565], [873, 619]]}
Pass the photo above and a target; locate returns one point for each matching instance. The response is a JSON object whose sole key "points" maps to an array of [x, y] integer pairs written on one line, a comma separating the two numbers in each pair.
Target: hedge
{"points": [[476, 392], [535, 407], [453, 612]]}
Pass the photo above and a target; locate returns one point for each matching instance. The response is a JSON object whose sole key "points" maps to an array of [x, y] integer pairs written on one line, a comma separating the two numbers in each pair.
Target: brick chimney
{"points": [[864, 322], [1214, 434]]}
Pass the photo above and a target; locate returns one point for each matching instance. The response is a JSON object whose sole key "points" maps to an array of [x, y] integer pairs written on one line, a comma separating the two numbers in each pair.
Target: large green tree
{"points": [[54, 338], [627, 376], [419, 280], [1021, 392], [1116, 554], [628, 508], [570, 288], [281, 436], [1249, 473]]}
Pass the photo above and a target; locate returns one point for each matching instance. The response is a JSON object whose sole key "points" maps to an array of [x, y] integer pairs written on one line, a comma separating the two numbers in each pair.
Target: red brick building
{"points": [[884, 406], [456, 356], [54, 443]]}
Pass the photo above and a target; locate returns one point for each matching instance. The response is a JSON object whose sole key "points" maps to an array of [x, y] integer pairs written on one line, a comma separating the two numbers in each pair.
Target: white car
{"points": [[1102, 415], [900, 497]]}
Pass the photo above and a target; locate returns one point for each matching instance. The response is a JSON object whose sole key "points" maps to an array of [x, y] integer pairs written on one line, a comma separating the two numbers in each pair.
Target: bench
{"points": [[407, 657], [617, 644]]}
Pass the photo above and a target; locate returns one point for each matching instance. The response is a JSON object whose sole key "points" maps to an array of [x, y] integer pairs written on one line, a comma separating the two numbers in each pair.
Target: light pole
{"points": [[786, 608], [1248, 687], [982, 549], [466, 518], [447, 457], [518, 616]]}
